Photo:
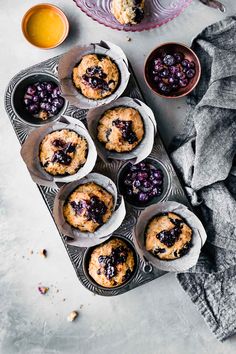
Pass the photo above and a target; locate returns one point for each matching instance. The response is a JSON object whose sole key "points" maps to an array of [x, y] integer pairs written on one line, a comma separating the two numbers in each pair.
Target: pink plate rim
{"points": [[125, 29]]}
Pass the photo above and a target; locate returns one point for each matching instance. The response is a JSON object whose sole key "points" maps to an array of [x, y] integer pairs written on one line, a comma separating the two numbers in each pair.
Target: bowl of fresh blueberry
{"points": [[172, 70], [37, 99]]}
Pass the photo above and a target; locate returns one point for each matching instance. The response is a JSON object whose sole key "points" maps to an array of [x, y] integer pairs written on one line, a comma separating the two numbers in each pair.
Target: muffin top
{"points": [[120, 129], [112, 263], [96, 76], [168, 236], [128, 12], [88, 207], [63, 152]]}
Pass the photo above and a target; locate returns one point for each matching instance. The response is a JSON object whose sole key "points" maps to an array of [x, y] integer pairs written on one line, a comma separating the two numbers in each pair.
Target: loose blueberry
{"points": [[190, 73], [169, 60]]}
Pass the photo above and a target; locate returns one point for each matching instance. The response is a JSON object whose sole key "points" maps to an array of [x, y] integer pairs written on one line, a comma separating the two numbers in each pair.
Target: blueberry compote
{"points": [[93, 209], [125, 126], [171, 71], [95, 78], [138, 11], [62, 154], [169, 237], [118, 256], [142, 182]]}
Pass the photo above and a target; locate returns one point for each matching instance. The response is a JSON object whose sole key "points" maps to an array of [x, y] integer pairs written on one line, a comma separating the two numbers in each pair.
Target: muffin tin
{"points": [[78, 256]]}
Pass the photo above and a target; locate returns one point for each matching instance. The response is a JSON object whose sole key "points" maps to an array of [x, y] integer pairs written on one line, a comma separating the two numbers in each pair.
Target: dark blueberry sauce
{"points": [[158, 251], [169, 237], [118, 256], [127, 275], [95, 78], [94, 209], [126, 129], [139, 14], [61, 156], [59, 143]]}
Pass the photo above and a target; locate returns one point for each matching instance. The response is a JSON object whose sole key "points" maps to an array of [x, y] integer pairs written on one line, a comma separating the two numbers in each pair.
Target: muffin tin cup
{"points": [[87, 239], [74, 56], [165, 189], [125, 285], [198, 238], [31, 146], [143, 149], [17, 98]]}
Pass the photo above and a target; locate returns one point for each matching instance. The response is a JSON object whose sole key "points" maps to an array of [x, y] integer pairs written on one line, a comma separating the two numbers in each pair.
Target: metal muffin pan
{"points": [[144, 272]]}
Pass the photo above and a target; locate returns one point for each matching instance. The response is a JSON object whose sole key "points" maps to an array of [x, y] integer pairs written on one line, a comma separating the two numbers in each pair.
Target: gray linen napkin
{"points": [[204, 157]]}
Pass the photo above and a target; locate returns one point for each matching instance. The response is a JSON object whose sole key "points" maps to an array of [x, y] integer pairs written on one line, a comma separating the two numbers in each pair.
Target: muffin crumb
{"points": [[43, 290], [72, 316], [43, 253]]}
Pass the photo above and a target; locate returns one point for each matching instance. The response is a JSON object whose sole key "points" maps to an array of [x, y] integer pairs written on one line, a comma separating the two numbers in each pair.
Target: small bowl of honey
{"points": [[45, 26]]}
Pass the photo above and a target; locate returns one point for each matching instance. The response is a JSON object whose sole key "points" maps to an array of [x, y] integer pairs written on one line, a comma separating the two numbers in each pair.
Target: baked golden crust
{"points": [[104, 265], [109, 133], [127, 12], [77, 209], [70, 145], [163, 244], [96, 76]]}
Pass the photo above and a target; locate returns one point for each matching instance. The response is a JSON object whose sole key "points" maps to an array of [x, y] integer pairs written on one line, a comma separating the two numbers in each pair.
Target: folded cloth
{"points": [[204, 157]]}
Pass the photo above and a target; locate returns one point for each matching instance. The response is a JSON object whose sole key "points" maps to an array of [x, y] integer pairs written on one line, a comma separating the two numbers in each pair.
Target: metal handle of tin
{"points": [[147, 268]]}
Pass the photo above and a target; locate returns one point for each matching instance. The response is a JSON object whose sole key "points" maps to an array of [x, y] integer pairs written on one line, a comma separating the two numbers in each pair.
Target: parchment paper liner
{"points": [[198, 238], [30, 152], [74, 56], [87, 239], [143, 149]]}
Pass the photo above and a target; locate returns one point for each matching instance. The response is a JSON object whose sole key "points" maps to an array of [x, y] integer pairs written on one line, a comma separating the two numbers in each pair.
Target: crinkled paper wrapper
{"points": [[143, 149], [87, 239], [74, 56], [30, 152], [198, 238]]}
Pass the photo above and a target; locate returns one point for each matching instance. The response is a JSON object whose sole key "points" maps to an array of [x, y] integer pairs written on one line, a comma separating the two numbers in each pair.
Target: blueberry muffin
{"points": [[120, 129], [63, 152], [168, 236], [88, 207], [128, 12], [96, 76], [112, 263]]}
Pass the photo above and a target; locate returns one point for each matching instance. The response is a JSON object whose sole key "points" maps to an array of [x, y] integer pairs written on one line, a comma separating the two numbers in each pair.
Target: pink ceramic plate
{"points": [[157, 13]]}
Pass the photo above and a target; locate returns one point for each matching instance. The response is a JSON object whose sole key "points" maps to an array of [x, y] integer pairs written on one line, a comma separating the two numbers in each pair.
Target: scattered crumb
{"points": [[43, 289], [64, 299], [128, 39], [43, 253], [81, 306], [31, 252], [94, 294], [23, 256], [72, 316], [57, 291]]}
